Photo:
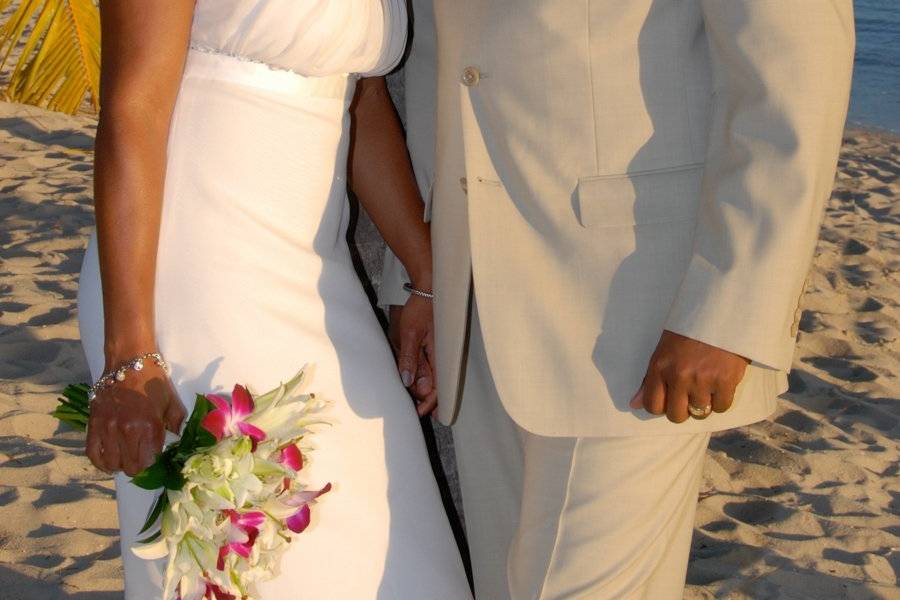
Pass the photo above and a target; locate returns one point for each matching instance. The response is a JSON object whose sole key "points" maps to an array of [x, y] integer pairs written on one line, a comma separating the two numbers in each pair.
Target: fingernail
{"points": [[636, 401], [423, 385], [407, 378]]}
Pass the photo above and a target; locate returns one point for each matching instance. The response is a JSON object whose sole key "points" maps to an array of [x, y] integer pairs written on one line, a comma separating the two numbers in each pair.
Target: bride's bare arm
{"points": [[382, 178], [143, 49]]}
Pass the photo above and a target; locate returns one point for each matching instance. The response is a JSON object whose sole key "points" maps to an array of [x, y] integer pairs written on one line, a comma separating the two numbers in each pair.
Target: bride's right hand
{"points": [[128, 420]]}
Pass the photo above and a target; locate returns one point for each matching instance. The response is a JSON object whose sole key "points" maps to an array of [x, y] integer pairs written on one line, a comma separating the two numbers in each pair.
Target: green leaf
{"points": [[194, 436], [151, 538], [65, 413], [153, 477], [77, 393], [66, 406], [162, 502], [74, 407], [75, 421], [204, 439], [174, 480]]}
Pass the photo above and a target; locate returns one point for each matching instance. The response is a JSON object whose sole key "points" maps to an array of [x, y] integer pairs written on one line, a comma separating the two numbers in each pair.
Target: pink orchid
{"points": [[299, 521], [290, 457], [229, 418], [242, 534], [213, 592]]}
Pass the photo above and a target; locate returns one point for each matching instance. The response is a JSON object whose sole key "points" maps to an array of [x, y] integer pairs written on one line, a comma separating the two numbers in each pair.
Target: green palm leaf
{"points": [[55, 45]]}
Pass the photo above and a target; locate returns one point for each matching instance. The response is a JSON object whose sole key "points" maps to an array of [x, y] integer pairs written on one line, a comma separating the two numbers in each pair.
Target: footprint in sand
{"points": [[23, 452], [66, 290], [850, 195], [858, 275], [881, 176], [717, 526], [18, 252], [796, 382], [44, 561], [799, 421], [739, 446], [54, 316], [875, 332], [880, 214], [810, 321], [870, 305], [829, 234], [884, 190], [892, 266], [705, 547], [58, 494], [65, 262], [758, 512], [12, 307], [9, 496], [854, 247], [844, 368], [28, 358], [885, 165]]}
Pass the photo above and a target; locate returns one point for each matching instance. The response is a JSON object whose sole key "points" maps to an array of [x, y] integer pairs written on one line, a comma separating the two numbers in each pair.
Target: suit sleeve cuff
{"points": [[393, 276], [724, 312]]}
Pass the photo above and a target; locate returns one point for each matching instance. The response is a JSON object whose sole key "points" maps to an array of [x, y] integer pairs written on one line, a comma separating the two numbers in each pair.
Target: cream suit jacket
{"points": [[604, 170]]}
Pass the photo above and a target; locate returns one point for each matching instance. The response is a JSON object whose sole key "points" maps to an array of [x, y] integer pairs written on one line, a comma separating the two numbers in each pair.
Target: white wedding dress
{"points": [[254, 279]]}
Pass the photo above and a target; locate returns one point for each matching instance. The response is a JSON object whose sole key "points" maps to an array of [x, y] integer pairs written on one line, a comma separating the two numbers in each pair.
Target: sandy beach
{"points": [[804, 505]]}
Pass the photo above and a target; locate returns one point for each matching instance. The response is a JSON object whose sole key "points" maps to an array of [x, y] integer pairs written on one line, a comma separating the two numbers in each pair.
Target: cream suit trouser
{"points": [[562, 517]]}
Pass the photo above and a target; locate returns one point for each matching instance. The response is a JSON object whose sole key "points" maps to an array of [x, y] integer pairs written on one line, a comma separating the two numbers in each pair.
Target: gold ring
{"points": [[700, 412]]}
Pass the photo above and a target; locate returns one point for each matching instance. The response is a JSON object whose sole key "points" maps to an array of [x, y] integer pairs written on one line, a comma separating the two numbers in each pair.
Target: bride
{"points": [[221, 162]]}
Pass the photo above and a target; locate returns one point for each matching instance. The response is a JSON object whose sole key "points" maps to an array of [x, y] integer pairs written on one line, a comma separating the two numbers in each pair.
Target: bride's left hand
{"points": [[412, 333]]}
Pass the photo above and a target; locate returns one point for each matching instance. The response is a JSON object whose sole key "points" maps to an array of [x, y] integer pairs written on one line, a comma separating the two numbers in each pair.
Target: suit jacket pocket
{"points": [[639, 198]]}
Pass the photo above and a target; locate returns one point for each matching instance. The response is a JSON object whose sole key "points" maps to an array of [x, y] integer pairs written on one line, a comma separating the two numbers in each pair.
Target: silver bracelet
{"points": [[118, 374], [409, 288]]}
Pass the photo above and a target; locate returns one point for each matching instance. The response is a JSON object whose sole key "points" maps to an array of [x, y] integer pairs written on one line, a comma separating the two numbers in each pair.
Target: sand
{"points": [[58, 531], [802, 506]]}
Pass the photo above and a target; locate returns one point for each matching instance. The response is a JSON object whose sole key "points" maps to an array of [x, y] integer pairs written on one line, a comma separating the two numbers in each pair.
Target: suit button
{"points": [[470, 76], [464, 184]]}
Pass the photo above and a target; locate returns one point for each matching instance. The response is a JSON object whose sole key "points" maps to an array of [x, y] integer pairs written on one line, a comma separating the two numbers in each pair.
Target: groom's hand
{"points": [[683, 372]]}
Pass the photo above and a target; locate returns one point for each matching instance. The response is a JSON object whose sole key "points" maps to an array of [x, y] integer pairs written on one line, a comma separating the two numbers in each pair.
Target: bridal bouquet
{"points": [[230, 498]]}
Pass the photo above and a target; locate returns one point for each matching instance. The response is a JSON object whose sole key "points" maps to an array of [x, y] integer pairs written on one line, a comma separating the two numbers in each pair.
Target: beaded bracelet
{"points": [[409, 288], [118, 374]]}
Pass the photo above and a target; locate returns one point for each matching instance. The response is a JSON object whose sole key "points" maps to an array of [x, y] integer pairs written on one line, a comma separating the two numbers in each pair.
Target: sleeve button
{"points": [[470, 76]]}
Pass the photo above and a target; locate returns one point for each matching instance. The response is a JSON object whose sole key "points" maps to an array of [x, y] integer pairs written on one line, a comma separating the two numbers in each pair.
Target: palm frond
{"points": [[55, 47]]}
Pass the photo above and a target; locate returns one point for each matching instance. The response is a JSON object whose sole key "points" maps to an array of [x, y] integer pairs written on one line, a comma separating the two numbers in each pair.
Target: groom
{"points": [[624, 198]]}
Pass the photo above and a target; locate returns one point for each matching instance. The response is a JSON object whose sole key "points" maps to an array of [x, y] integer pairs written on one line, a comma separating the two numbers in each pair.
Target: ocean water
{"points": [[875, 98]]}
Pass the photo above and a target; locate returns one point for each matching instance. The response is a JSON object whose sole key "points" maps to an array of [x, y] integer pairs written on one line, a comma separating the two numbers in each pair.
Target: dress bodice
{"points": [[314, 38]]}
